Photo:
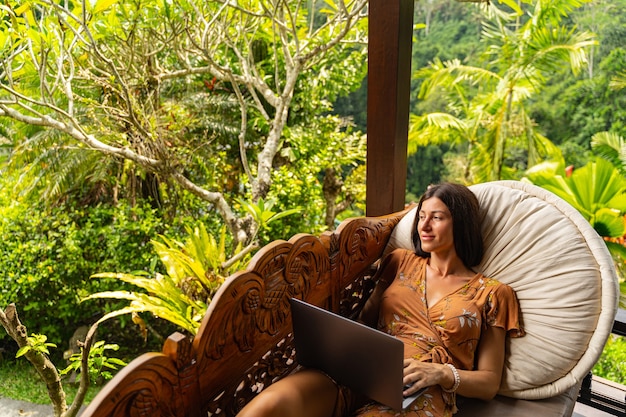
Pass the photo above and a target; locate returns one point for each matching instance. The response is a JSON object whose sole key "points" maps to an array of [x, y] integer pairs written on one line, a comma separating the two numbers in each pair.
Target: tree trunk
{"points": [[11, 323]]}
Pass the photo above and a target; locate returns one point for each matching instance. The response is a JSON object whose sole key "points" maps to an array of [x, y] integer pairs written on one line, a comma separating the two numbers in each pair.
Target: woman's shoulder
{"points": [[405, 253], [493, 282], [493, 285], [404, 256]]}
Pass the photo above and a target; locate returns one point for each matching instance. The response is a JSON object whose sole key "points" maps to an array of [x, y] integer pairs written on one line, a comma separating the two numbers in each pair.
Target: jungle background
{"points": [[148, 148]]}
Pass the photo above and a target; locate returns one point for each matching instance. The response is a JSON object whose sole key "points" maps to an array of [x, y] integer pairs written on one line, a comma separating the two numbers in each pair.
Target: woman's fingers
{"points": [[419, 375]]}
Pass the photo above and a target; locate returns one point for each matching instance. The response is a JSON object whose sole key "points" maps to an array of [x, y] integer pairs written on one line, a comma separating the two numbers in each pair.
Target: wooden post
{"points": [[388, 96]]}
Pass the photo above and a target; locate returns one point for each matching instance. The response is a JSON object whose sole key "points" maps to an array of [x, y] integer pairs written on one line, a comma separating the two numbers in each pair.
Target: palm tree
{"points": [[486, 105]]}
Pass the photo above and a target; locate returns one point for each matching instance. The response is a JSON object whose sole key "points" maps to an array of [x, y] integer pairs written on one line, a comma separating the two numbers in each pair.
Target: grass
{"points": [[20, 381]]}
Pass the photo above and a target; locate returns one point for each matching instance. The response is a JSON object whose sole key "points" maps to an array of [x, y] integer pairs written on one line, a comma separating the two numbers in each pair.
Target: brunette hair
{"points": [[464, 208]]}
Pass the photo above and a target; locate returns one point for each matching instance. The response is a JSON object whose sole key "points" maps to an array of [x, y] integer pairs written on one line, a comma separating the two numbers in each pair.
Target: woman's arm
{"points": [[484, 382]]}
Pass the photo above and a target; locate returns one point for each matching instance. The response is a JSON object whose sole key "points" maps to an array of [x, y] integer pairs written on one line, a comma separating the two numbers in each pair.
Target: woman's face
{"points": [[435, 226]]}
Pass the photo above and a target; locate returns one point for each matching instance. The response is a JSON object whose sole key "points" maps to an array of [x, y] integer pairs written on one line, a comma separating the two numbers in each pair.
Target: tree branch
{"points": [[233, 222], [75, 132], [42, 364], [252, 246], [242, 132], [83, 387]]}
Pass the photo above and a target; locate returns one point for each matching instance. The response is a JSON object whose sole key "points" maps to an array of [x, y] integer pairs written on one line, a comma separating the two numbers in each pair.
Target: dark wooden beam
{"points": [[619, 325], [388, 96]]}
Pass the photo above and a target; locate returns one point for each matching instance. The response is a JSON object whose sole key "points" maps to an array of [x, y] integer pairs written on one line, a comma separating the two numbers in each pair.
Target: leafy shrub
{"points": [[47, 256], [612, 362], [195, 268], [100, 365]]}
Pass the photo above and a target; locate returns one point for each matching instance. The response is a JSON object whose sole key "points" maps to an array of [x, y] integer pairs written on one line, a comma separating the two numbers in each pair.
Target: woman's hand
{"points": [[483, 382], [420, 374]]}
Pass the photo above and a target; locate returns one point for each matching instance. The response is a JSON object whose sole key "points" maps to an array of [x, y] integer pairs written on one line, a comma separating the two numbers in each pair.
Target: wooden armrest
{"points": [[244, 343]]}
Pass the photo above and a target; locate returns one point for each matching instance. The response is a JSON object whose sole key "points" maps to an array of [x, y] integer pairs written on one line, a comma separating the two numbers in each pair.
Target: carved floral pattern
{"points": [[244, 343]]}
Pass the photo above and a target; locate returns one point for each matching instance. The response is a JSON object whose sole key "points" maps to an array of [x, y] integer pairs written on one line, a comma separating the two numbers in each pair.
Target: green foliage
{"points": [[99, 365], [299, 189], [618, 246], [597, 191], [451, 30], [575, 155], [262, 212], [36, 343], [326, 143], [201, 258], [484, 104], [569, 110], [195, 271], [425, 167], [207, 127], [612, 362], [199, 118], [163, 299], [611, 147], [48, 254], [353, 107], [20, 381], [576, 108]]}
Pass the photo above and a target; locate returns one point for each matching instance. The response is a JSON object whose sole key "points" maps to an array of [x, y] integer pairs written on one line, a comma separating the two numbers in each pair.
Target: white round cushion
{"points": [[563, 276]]}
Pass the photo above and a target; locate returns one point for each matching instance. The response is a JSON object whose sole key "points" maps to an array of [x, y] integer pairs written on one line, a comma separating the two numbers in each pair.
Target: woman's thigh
{"points": [[307, 393]]}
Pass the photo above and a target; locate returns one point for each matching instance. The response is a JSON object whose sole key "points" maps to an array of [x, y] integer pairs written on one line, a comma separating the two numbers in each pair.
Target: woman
{"points": [[452, 320]]}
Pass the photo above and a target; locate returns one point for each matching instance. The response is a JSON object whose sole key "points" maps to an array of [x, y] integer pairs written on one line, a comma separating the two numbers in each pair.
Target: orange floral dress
{"points": [[446, 332]]}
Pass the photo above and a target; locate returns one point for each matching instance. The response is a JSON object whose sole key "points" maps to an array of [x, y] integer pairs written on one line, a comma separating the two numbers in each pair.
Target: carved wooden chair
{"points": [[560, 268]]}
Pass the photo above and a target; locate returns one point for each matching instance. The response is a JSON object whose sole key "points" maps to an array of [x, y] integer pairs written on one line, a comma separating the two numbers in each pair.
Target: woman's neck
{"points": [[448, 266]]}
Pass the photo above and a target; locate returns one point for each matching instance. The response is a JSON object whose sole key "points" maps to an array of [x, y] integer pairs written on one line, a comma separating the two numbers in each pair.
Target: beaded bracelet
{"points": [[457, 379]]}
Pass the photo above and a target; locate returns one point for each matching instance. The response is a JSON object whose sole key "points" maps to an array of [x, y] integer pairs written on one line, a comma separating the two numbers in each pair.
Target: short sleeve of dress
{"points": [[503, 310]]}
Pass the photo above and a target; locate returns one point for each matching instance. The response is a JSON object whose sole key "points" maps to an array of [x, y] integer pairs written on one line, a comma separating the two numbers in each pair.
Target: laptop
{"points": [[365, 359]]}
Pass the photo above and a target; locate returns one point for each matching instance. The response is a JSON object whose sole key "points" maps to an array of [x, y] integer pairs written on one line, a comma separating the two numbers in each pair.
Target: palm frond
{"points": [[611, 147], [450, 74], [482, 163], [618, 82], [52, 168], [434, 128], [549, 47], [163, 298], [545, 149], [552, 12]]}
